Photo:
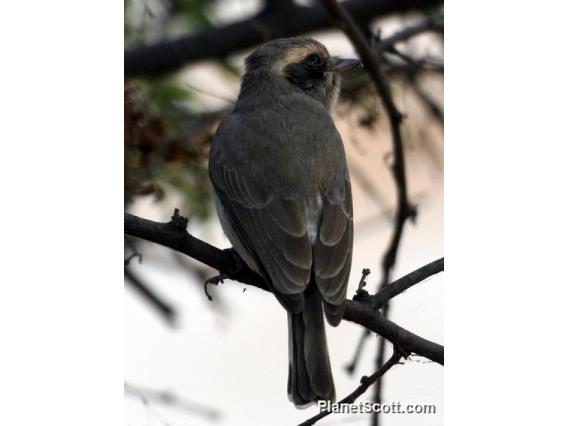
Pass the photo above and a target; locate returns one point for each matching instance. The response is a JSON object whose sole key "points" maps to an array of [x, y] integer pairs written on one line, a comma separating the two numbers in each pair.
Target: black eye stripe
{"points": [[308, 72], [313, 59]]}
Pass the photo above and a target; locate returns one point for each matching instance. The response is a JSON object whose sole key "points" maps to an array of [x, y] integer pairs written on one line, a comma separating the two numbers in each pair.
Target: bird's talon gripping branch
{"points": [[238, 263], [215, 281], [237, 266]]}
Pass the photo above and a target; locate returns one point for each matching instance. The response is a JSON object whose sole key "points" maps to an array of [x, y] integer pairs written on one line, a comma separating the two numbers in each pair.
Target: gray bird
{"points": [[283, 196]]}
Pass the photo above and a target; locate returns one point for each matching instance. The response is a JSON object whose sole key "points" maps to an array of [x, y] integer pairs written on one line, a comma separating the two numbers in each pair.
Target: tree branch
{"points": [[428, 25], [370, 59], [174, 235], [402, 284], [407, 341], [436, 110], [165, 310], [366, 382], [286, 20], [168, 398], [371, 62]]}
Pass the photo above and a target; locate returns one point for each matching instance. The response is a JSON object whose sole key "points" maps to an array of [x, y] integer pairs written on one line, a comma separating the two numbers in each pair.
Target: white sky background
{"points": [[236, 359]]}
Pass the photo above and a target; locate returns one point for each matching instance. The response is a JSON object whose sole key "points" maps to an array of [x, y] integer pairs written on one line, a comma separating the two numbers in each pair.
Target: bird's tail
{"points": [[309, 376]]}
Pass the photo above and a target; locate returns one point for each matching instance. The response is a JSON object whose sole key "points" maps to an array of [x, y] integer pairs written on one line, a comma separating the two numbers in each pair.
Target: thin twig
{"points": [[163, 308], [169, 398], [210, 94], [405, 211], [361, 292], [436, 110], [427, 25], [366, 382], [350, 368], [417, 64]]}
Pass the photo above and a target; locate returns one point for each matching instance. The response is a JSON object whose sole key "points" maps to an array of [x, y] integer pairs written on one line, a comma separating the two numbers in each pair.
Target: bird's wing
{"points": [[270, 228], [333, 249]]}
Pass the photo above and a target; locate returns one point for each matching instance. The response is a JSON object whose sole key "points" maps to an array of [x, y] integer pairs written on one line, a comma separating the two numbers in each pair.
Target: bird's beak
{"points": [[343, 65]]}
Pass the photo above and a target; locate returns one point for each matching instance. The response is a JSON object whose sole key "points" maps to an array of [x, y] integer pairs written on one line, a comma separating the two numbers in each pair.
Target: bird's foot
{"points": [[238, 262], [215, 281], [237, 265]]}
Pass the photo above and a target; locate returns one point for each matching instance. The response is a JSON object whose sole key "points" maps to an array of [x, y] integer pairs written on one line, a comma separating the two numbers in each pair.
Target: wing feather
{"points": [[272, 229], [333, 248]]}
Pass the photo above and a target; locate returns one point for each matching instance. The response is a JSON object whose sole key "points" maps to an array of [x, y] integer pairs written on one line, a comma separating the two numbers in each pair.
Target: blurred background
{"points": [[191, 361]]}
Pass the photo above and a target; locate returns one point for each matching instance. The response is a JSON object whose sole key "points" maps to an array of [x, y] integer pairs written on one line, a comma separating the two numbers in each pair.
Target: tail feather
{"points": [[299, 388], [310, 378]]}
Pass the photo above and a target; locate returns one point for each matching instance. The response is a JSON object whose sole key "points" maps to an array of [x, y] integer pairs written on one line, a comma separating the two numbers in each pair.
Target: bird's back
{"points": [[287, 144]]}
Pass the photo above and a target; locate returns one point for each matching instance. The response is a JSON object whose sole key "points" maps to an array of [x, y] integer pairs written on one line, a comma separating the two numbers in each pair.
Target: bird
{"points": [[283, 196]]}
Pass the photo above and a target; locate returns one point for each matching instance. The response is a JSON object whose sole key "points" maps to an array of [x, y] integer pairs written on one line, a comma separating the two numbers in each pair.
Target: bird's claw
{"points": [[215, 281], [237, 266]]}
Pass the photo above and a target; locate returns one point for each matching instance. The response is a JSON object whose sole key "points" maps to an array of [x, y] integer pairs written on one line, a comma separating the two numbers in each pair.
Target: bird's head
{"points": [[303, 63]]}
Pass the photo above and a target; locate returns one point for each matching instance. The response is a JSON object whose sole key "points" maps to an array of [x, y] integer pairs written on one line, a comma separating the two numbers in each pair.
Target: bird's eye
{"points": [[313, 59]]}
